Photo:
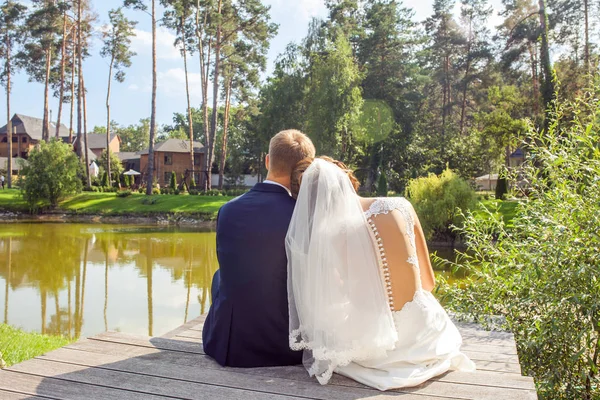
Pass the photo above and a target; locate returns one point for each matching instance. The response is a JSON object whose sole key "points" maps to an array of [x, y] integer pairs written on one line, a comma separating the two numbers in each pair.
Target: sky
{"points": [[130, 100]]}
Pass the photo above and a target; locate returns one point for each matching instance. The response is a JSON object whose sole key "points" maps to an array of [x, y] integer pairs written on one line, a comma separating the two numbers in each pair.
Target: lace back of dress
{"points": [[385, 206]]}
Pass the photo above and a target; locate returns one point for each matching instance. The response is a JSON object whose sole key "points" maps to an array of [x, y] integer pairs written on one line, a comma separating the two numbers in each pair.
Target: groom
{"points": [[247, 324]]}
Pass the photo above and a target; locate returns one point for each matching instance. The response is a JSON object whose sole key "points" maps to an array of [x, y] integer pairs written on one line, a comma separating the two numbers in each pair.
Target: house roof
{"points": [[128, 155], [517, 153], [487, 177], [98, 140], [33, 127], [17, 163], [176, 146]]}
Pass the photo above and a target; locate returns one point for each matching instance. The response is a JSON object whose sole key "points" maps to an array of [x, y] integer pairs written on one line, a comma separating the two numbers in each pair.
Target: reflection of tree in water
{"points": [[54, 257]]}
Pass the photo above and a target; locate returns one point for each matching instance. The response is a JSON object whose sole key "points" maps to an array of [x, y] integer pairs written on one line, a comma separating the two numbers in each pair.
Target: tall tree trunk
{"points": [[85, 134], [72, 92], [204, 63], [9, 129], [63, 61], [46, 119], [189, 107], [80, 145], [225, 130], [83, 279], [110, 69], [463, 108], [150, 170], [587, 36], [215, 112], [548, 84], [534, 81]]}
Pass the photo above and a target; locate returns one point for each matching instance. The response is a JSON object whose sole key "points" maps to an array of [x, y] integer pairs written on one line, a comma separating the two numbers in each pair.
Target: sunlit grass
{"points": [[17, 345], [138, 204]]}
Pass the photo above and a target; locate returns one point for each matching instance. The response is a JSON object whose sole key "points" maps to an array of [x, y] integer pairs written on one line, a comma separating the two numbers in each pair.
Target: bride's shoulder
{"points": [[384, 205]]}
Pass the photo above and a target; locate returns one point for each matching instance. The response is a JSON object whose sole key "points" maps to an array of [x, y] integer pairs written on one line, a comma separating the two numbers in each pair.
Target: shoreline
{"points": [[158, 218]]}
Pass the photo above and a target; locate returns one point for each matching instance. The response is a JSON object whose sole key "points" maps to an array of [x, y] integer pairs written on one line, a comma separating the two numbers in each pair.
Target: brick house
{"points": [[97, 143], [27, 132], [173, 155]]}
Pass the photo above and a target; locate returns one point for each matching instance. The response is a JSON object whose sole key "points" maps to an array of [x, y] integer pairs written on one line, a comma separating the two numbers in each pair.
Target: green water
{"points": [[79, 280], [83, 279]]}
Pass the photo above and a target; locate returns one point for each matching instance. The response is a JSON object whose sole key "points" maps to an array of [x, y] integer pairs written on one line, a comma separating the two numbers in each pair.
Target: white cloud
{"points": [[172, 83], [133, 87], [142, 44], [305, 9]]}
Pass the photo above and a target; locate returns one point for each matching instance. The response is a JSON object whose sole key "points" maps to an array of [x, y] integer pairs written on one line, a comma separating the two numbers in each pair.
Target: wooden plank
{"points": [[193, 324], [192, 346], [59, 389], [140, 383], [232, 378], [6, 395], [494, 388]]}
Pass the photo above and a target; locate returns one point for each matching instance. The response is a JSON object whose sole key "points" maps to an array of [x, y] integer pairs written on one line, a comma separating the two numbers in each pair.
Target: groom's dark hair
{"points": [[286, 149]]}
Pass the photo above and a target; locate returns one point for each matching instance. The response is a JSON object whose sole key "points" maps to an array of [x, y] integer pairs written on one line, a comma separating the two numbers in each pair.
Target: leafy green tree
{"points": [[334, 98], [52, 173], [11, 17], [117, 42], [134, 137], [116, 168], [38, 55], [382, 186]]}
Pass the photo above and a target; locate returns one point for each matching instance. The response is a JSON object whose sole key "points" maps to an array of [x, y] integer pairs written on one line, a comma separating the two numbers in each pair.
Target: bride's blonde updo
{"points": [[302, 166]]}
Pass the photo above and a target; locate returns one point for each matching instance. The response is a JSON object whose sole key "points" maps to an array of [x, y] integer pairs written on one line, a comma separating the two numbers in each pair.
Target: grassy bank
{"points": [[136, 204], [17, 345]]}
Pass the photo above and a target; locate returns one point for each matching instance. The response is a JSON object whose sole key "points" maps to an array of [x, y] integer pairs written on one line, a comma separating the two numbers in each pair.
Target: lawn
{"points": [[136, 204], [17, 345], [507, 209]]}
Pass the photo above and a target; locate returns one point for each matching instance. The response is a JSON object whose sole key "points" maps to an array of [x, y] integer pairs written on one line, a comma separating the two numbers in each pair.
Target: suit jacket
{"points": [[248, 323]]}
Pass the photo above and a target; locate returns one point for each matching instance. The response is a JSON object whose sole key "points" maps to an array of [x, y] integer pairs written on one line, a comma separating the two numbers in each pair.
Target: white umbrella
{"points": [[94, 169], [131, 172]]}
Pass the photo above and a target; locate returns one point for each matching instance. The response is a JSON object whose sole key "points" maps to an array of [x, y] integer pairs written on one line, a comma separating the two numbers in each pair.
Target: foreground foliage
{"points": [[543, 274], [17, 345]]}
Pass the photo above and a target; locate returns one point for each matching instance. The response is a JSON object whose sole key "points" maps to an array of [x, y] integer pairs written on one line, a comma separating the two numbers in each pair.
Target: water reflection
{"points": [[77, 279]]}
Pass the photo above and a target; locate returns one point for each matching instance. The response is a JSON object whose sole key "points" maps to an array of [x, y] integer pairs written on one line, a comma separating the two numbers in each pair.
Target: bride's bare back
{"points": [[395, 244]]}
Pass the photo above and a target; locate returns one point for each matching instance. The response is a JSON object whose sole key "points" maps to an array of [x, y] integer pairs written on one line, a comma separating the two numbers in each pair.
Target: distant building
{"points": [[173, 155], [130, 160], [28, 134], [516, 158], [97, 143], [487, 182]]}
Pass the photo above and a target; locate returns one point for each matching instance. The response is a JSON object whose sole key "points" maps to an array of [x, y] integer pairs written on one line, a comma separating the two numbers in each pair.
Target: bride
{"points": [[359, 285]]}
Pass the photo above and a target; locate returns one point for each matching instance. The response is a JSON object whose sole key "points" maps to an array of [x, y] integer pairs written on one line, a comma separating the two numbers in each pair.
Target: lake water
{"points": [[83, 279]]}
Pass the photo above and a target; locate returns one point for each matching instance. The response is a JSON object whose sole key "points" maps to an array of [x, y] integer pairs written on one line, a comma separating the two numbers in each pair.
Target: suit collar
{"points": [[267, 187]]}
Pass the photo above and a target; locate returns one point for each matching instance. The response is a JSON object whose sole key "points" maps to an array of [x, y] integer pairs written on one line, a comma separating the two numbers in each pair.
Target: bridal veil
{"points": [[337, 306]]}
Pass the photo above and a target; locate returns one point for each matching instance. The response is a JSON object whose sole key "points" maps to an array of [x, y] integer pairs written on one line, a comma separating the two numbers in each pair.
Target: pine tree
{"points": [[11, 17], [117, 41]]}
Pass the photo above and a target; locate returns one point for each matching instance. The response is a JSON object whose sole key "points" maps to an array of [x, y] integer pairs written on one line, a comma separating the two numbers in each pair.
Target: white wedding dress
{"points": [[340, 294], [428, 342]]}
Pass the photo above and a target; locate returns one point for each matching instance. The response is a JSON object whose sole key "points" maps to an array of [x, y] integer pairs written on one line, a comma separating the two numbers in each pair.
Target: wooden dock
{"points": [[115, 366]]}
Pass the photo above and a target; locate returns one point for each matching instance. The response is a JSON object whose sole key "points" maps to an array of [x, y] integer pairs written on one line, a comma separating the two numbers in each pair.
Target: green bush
{"points": [[124, 193], [438, 200], [104, 180], [194, 192], [52, 173], [543, 274], [173, 183]]}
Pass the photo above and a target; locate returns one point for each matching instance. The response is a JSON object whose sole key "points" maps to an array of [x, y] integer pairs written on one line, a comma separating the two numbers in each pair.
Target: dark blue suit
{"points": [[247, 324]]}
